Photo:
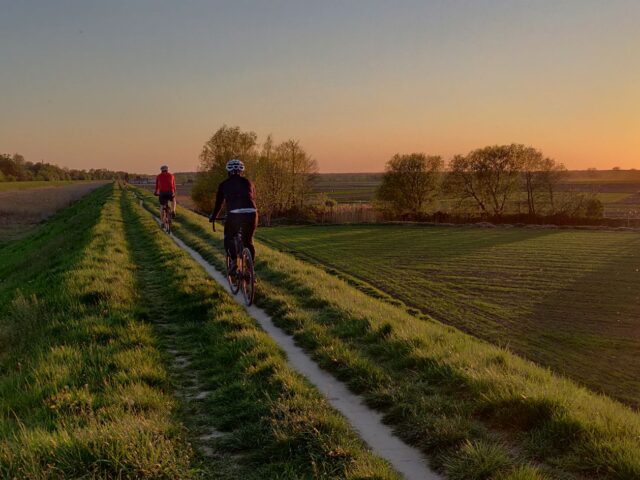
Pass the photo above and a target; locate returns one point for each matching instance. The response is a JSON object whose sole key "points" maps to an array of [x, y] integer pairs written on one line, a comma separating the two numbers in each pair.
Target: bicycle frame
{"points": [[244, 275]]}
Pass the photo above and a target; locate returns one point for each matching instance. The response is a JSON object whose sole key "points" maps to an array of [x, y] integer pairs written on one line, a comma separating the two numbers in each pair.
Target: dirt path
{"points": [[368, 423]]}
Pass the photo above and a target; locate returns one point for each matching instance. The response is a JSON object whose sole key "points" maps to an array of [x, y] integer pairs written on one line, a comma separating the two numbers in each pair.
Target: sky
{"points": [[133, 84]]}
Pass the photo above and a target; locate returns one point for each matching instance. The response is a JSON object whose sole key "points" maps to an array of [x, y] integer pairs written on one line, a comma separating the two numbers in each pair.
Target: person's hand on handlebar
{"points": [[213, 222]]}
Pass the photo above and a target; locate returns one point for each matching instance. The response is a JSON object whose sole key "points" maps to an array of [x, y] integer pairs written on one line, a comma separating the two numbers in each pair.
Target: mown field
{"points": [[567, 299], [476, 410]]}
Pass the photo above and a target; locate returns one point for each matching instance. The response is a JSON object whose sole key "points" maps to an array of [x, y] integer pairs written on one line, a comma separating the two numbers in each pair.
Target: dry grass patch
{"points": [[21, 210]]}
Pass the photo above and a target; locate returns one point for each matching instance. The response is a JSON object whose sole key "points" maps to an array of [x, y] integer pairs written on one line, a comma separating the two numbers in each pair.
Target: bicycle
{"points": [[243, 276], [165, 218]]}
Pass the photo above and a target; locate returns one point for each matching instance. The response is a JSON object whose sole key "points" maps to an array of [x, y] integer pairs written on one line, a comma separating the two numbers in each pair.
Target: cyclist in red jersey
{"points": [[166, 189]]}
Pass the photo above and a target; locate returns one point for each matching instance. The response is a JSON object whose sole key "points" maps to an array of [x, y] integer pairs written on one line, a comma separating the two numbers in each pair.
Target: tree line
{"points": [[14, 168], [487, 183], [282, 172]]}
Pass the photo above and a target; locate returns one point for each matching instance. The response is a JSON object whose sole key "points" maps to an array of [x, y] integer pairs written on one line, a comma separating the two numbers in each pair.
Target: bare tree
{"points": [[489, 175], [410, 183], [298, 170], [551, 175]]}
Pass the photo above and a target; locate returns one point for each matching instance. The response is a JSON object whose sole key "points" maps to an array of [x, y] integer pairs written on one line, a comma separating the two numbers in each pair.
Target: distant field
{"points": [[567, 299], [7, 186], [23, 208], [348, 187]]}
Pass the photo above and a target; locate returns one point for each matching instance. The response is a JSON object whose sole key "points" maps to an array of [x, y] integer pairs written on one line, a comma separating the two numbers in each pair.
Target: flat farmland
{"points": [[567, 299], [29, 203], [9, 186], [348, 187]]}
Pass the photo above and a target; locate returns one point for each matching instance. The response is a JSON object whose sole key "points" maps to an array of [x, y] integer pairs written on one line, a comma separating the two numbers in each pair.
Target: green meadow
{"points": [[566, 299]]}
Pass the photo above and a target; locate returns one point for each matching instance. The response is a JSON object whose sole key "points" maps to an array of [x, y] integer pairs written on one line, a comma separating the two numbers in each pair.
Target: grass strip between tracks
{"points": [[277, 424], [477, 410]]}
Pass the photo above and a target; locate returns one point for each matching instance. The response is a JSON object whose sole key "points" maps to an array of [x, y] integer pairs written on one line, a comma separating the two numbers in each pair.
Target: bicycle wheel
{"points": [[163, 220], [233, 279], [248, 277]]}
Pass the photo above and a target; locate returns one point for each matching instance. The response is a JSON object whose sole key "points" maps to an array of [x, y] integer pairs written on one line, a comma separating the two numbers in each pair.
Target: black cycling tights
{"points": [[236, 221]]}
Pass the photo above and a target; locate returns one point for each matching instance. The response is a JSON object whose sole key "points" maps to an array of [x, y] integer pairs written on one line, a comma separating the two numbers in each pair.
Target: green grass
{"points": [[91, 306], [477, 410], [83, 393], [566, 299], [280, 426], [8, 186]]}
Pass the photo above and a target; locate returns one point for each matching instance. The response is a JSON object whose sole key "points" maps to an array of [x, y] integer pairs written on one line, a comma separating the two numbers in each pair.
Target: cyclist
{"points": [[166, 189], [239, 194]]}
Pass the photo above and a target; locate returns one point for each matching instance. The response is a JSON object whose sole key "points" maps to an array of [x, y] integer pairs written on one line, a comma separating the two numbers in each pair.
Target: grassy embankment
{"points": [[567, 299], [278, 425], [478, 411], [83, 391], [85, 383]]}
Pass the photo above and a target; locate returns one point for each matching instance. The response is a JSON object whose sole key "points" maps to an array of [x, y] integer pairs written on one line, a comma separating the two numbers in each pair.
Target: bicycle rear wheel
{"points": [[248, 277], [167, 215], [232, 278]]}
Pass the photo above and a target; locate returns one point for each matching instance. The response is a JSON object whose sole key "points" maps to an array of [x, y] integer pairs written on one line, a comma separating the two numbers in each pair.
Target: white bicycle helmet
{"points": [[235, 165], [164, 168]]}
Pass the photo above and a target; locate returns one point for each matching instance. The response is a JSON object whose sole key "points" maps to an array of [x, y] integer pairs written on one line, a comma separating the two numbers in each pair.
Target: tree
{"points": [[489, 176], [593, 208], [410, 183], [282, 173], [574, 204], [540, 178], [298, 168], [550, 176], [225, 144], [283, 176], [269, 178]]}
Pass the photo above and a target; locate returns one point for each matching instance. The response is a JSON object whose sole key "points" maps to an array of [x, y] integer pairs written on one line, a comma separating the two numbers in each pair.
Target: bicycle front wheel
{"points": [[248, 277]]}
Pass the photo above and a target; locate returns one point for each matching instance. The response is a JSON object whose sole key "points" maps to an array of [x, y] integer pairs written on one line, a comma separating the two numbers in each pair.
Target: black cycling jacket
{"points": [[237, 192]]}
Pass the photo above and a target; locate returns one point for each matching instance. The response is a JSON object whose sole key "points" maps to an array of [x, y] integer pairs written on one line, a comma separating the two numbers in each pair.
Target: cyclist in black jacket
{"points": [[239, 194]]}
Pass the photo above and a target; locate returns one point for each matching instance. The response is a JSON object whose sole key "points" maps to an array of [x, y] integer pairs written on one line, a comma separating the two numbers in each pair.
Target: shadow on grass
{"points": [[281, 427]]}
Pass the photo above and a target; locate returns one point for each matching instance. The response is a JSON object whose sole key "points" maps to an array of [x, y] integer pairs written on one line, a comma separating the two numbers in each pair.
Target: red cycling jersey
{"points": [[165, 182]]}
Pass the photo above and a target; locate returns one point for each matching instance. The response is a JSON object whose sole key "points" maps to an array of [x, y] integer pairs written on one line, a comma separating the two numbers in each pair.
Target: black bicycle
{"points": [[166, 218], [241, 275]]}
